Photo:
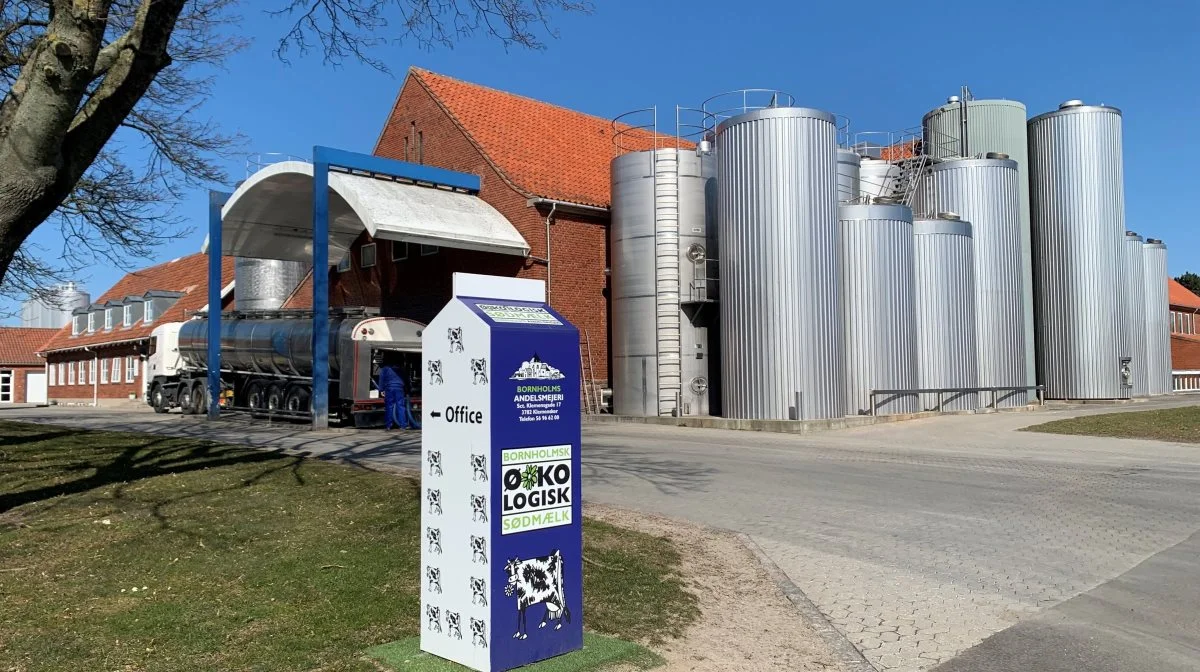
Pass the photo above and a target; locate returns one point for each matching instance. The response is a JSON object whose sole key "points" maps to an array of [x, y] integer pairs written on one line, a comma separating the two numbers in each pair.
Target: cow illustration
{"points": [[478, 591], [479, 467], [455, 336], [537, 581], [435, 462], [478, 550], [435, 372], [434, 497], [478, 633], [435, 580], [452, 629], [434, 616], [434, 535], [479, 508], [479, 371]]}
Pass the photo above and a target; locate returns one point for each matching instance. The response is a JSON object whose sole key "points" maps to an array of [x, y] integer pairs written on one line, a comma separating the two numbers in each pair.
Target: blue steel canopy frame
{"points": [[216, 201]]}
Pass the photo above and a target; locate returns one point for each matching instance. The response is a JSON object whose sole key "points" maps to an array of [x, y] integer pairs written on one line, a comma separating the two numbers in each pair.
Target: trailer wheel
{"points": [[298, 399], [275, 397], [185, 400], [157, 399], [200, 398]]}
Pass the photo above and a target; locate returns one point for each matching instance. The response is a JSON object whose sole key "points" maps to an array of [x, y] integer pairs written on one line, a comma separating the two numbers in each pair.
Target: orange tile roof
{"points": [[1178, 295], [188, 275], [19, 345], [543, 150]]}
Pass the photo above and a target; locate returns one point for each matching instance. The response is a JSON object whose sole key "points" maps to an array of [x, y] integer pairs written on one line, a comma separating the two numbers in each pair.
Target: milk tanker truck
{"points": [[267, 364]]}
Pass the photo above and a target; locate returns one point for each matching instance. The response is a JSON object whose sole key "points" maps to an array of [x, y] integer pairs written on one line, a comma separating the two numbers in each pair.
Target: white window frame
{"points": [[92, 371], [148, 311], [62, 374], [108, 319], [131, 368], [127, 315], [362, 255], [429, 250], [104, 372], [116, 370], [51, 377], [91, 322], [70, 373], [343, 264], [76, 325], [399, 245]]}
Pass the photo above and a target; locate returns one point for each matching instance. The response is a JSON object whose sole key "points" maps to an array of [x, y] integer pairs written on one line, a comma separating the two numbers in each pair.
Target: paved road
{"points": [[918, 540]]}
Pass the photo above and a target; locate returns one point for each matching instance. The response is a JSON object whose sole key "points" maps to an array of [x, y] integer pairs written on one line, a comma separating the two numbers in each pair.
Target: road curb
{"points": [[850, 657]]}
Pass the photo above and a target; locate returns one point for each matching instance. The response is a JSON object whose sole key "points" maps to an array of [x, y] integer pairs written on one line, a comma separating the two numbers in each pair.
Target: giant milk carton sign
{"points": [[502, 546]]}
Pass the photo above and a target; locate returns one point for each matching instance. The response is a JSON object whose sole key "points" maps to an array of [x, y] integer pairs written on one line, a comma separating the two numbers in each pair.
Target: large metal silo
{"points": [[52, 308], [992, 126], [781, 334], [848, 162], [1158, 318], [264, 284], [944, 259], [878, 304], [986, 193], [1078, 204], [1135, 312], [659, 246]]}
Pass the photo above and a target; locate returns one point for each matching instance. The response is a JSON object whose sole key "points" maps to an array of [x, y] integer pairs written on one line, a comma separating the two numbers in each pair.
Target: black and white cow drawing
{"points": [[435, 580], [455, 336], [478, 467], [434, 616], [479, 371], [452, 625], [478, 591], [434, 497], [435, 372], [537, 581], [435, 462], [478, 633], [478, 550], [434, 535], [479, 508]]}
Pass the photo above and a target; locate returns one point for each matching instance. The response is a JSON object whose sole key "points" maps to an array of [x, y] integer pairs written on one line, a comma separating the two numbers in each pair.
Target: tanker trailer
{"points": [[267, 364]]}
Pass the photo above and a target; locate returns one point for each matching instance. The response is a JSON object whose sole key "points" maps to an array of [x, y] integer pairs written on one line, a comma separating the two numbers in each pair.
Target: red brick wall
{"points": [[61, 391], [18, 380], [1185, 353]]}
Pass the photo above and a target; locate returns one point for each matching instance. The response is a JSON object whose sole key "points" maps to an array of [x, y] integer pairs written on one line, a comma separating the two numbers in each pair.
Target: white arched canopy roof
{"points": [[270, 216]]}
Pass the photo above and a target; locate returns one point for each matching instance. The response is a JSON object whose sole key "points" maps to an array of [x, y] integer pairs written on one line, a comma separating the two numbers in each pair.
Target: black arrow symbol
{"points": [[435, 414]]}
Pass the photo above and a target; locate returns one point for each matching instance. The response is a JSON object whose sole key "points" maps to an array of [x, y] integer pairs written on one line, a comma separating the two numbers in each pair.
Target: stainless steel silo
{"points": [[878, 305], [878, 178], [52, 308], [848, 162], [662, 364], [1135, 313], [264, 284], [986, 193], [1078, 205], [944, 259], [1158, 318], [781, 333], [992, 126]]}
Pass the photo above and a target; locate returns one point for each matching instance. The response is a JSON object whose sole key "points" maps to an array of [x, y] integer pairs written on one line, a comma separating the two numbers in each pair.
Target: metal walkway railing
{"points": [[941, 391]]}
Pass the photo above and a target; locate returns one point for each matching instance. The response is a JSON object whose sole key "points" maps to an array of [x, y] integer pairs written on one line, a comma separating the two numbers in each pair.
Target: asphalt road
{"points": [[953, 541]]}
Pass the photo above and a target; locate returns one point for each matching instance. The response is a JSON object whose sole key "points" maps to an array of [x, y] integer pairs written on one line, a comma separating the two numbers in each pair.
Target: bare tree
{"points": [[100, 129]]}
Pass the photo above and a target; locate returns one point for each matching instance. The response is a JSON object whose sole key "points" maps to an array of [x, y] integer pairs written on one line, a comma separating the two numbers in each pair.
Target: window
{"points": [[116, 369], [62, 374], [406, 148], [131, 369], [127, 318], [420, 146], [70, 373], [92, 372], [399, 251], [108, 318], [50, 380], [343, 264], [367, 256], [91, 322], [148, 311], [104, 372], [76, 325], [429, 250]]}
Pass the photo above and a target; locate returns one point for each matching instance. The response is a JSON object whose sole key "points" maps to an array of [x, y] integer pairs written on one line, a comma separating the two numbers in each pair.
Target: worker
{"points": [[394, 389]]}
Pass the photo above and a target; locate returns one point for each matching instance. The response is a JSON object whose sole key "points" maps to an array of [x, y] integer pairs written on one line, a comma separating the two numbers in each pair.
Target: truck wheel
{"points": [[157, 399], [185, 400], [299, 399], [275, 397], [200, 398]]}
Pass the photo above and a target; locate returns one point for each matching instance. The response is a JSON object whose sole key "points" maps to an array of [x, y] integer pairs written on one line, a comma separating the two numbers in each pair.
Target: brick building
{"points": [[1185, 336], [98, 357], [22, 371]]}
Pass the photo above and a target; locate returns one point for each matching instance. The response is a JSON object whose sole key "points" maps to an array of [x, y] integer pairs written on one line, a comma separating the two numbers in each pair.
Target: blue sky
{"points": [[883, 64]]}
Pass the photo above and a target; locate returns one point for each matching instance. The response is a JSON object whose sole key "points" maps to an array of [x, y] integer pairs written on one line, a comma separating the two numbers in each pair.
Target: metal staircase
{"points": [[666, 273], [912, 173]]}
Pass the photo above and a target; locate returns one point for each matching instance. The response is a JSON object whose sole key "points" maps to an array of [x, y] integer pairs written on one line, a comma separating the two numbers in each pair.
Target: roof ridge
{"points": [[485, 87]]}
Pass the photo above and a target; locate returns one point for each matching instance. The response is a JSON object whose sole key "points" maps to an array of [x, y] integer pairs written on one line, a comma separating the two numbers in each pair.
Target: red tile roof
{"points": [[1178, 295], [543, 150], [188, 275], [19, 345]]}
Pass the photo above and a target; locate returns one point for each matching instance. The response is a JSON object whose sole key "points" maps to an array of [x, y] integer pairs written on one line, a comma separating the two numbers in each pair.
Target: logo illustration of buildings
{"points": [[536, 369]]}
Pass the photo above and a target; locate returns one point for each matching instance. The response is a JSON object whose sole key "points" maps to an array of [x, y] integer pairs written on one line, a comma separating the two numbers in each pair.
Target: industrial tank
{"points": [[992, 126], [878, 178], [943, 254], [876, 250], [1158, 318], [280, 347], [1135, 312], [848, 162], [659, 263], [53, 309], [264, 284], [1078, 206], [985, 192], [781, 340]]}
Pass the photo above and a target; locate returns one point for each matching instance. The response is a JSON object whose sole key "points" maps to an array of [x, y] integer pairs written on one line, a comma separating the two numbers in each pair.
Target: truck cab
{"points": [[164, 359]]}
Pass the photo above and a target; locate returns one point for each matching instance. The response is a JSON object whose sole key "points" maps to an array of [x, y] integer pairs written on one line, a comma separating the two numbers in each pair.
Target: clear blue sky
{"points": [[883, 64]]}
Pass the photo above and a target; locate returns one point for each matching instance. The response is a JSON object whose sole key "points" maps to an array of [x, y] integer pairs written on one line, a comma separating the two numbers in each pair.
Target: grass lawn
{"points": [[1169, 424], [136, 552]]}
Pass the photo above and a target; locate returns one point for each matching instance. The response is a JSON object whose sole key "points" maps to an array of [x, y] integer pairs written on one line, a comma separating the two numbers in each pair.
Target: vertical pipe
{"points": [[963, 143], [320, 302], [216, 200]]}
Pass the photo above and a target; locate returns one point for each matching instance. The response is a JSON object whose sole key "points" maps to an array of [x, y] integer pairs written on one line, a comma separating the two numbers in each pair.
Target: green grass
{"points": [[138, 552], [1171, 424], [598, 653]]}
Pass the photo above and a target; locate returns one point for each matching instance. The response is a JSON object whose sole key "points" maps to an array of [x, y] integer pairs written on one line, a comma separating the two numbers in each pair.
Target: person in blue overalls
{"points": [[395, 395]]}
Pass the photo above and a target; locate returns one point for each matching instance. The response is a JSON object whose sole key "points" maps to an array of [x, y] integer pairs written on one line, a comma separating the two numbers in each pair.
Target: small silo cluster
{"points": [[52, 308]]}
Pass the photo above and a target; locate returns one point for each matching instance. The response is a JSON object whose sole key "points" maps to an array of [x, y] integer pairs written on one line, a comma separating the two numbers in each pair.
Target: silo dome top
{"points": [[952, 216], [1074, 102], [996, 155], [951, 100], [1154, 241]]}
